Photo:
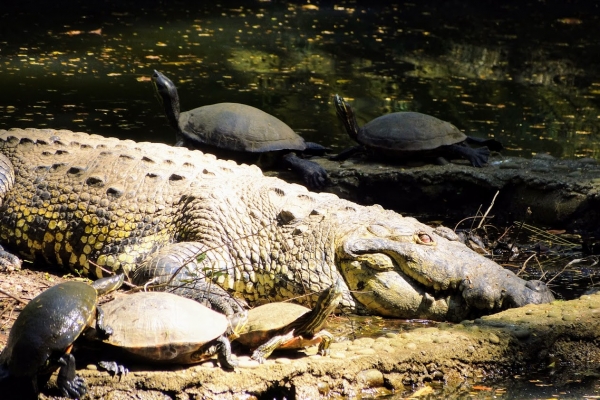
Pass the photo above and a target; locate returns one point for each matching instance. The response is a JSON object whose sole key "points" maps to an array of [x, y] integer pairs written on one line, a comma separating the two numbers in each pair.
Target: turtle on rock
{"points": [[240, 132], [283, 325], [164, 328], [411, 135], [41, 339]]}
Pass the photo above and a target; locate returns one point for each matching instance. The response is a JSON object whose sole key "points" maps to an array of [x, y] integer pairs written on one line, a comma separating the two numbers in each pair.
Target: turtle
{"points": [[42, 337], [162, 327], [284, 325], [240, 132], [411, 135]]}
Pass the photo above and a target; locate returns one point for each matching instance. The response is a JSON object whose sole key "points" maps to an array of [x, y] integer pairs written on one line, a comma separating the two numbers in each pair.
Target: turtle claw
{"points": [[113, 368], [74, 389], [312, 173], [258, 356], [70, 384]]}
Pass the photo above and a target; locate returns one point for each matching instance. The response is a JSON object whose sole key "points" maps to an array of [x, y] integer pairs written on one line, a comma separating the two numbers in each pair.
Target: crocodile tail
{"points": [[346, 115]]}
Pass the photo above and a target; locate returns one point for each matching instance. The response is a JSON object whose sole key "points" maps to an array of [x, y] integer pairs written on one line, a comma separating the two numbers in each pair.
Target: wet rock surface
{"points": [[559, 193]]}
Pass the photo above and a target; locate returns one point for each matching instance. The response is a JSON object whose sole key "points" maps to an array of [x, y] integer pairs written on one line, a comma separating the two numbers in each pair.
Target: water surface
{"points": [[523, 72]]}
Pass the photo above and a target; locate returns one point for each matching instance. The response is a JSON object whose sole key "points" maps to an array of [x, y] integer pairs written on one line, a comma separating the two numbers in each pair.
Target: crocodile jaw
{"points": [[406, 277]]}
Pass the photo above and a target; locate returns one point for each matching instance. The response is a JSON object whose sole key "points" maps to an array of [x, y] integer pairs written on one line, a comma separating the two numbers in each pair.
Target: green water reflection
{"points": [[486, 67]]}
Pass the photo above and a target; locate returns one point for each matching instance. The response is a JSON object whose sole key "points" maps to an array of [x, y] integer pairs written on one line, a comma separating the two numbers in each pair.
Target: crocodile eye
{"points": [[424, 238]]}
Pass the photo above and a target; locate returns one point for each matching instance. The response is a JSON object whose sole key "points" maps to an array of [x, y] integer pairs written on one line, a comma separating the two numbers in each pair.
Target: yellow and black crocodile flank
{"points": [[80, 198]]}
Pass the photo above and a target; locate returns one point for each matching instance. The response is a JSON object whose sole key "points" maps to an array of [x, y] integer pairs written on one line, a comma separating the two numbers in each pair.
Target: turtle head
{"points": [[346, 115], [329, 299], [168, 97], [237, 324]]}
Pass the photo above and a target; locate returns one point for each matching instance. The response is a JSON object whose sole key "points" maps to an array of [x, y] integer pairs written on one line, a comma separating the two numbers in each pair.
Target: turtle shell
{"points": [[48, 325], [265, 320], [409, 132], [162, 327], [238, 127]]}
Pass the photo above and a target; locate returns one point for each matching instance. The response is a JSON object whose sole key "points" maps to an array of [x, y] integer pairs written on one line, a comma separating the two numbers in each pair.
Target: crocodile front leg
{"points": [[8, 261], [181, 268]]}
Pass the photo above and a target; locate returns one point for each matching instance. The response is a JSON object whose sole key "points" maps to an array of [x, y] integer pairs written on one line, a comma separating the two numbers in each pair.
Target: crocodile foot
{"points": [[8, 261]]}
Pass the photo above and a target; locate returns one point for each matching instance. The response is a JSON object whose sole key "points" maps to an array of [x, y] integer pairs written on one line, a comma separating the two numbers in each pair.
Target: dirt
{"points": [[549, 337]]}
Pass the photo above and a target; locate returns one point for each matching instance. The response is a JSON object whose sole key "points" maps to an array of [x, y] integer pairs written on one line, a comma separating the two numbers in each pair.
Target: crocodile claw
{"points": [[8, 261]]}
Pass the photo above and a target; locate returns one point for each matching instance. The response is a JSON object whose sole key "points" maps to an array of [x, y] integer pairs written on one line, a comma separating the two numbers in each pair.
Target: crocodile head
{"points": [[402, 268]]}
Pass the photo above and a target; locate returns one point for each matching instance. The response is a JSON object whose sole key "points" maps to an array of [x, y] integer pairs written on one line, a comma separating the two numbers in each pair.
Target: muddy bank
{"points": [[560, 338], [559, 193]]}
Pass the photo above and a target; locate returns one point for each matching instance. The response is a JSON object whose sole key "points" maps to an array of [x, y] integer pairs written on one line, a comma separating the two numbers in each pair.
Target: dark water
{"points": [[526, 73]]}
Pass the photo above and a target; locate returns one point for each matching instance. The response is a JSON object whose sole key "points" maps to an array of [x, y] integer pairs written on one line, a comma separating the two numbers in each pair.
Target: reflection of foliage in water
{"points": [[488, 69]]}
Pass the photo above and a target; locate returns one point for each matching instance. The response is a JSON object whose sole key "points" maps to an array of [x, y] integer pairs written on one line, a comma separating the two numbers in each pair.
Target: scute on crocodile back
{"points": [[79, 195]]}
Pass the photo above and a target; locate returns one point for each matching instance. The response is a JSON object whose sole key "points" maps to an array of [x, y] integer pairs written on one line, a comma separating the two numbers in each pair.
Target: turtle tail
{"points": [[346, 115]]}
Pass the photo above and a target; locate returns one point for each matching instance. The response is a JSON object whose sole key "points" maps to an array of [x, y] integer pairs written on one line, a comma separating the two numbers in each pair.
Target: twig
{"points": [[595, 259], [465, 219], [525, 264], [527, 213], [13, 296], [488, 210]]}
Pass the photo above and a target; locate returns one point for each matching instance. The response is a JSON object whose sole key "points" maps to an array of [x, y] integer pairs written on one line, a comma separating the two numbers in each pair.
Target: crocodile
{"points": [[92, 203]]}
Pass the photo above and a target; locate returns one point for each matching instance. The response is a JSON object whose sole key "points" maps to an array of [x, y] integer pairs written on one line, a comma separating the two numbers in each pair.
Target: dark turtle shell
{"points": [[407, 132], [239, 127], [48, 324], [163, 327]]}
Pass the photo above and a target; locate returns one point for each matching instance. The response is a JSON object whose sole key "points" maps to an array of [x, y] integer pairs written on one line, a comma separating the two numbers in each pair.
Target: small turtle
{"points": [[240, 132], [411, 135], [42, 337], [161, 327], [290, 326]]}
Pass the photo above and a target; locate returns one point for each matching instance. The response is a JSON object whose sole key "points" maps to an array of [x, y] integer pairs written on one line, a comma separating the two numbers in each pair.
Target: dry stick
{"points": [[13, 296], [525, 264], [527, 213], [595, 259], [488, 210]]}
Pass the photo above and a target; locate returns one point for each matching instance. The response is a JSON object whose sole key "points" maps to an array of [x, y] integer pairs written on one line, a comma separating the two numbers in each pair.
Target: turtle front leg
{"points": [[477, 157], [224, 353], [266, 349], [70, 384], [113, 368], [102, 331], [326, 339], [312, 173]]}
